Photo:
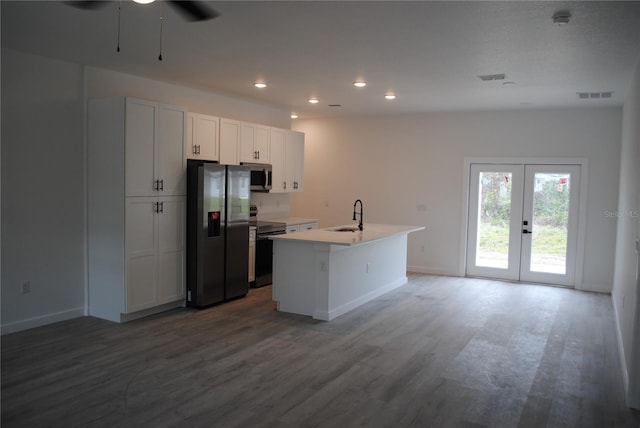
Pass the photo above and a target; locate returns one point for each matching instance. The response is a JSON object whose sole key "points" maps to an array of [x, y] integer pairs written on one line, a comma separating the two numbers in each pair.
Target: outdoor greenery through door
{"points": [[522, 222]]}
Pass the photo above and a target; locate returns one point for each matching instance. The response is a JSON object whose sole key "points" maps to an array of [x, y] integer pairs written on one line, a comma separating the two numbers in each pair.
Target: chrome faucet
{"points": [[360, 226]]}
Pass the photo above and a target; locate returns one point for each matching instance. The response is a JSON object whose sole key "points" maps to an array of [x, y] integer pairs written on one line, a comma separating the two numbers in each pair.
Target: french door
{"points": [[523, 222]]}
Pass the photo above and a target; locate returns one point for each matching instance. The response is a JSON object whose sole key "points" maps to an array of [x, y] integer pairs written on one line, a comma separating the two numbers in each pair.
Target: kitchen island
{"points": [[324, 273]]}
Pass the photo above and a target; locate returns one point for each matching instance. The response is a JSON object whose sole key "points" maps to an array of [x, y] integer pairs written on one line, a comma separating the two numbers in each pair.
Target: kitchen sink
{"points": [[344, 229]]}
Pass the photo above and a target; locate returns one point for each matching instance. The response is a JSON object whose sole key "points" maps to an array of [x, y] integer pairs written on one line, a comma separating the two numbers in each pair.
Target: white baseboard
{"points": [[596, 288], [21, 325], [621, 354], [432, 271]]}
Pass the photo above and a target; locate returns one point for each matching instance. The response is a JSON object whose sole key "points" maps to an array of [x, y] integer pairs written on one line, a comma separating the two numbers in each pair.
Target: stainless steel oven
{"points": [[264, 250]]}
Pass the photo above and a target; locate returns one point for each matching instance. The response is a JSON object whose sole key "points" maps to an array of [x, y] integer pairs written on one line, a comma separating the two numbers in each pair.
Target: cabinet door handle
{"points": [[161, 207], [162, 185], [258, 154], [284, 184], [155, 207], [155, 184], [198, 148]]}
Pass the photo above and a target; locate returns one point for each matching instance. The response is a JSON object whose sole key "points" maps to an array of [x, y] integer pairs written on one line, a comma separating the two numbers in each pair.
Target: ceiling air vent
{"points": [[489, 77], [594, 95]]}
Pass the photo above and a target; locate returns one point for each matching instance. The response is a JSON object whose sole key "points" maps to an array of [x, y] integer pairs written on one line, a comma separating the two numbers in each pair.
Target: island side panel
{"points": [[294, 274], [361, 273]]}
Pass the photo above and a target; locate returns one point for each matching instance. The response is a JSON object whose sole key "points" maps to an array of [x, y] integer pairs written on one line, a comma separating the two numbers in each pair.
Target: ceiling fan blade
{"points": [[194, 10], [87, 4]]}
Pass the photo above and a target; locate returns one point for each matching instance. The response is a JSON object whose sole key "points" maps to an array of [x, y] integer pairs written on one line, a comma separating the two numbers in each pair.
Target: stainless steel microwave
{"points": [[260, 176]]}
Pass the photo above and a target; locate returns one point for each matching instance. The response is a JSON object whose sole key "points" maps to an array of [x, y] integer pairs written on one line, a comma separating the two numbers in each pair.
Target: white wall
{"points": [[626, 284], [106, 83], [43, 201], [399, 164], [43, 175]]}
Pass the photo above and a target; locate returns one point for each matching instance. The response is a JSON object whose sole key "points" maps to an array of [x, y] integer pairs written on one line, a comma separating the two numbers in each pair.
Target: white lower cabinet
{"points": [[307, 226], [301, 227], [155, 252]]}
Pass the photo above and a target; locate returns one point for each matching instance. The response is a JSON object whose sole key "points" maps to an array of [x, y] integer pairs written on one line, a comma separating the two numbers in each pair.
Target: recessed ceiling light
{"points": [[389, 96], [313, 100], [260, 85], [144, 1], [359, 84], [294, 116]]}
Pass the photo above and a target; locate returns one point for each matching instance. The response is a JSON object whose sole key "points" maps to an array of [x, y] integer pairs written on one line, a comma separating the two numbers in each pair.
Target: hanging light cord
{"points": [[161, 22], [118, 47]]}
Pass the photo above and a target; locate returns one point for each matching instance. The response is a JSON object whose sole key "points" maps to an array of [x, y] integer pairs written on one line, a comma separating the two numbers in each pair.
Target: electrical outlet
{"points": [[26, 287]]}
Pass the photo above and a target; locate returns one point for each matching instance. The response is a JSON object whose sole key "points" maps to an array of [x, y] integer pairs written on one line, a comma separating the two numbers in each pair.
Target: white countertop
{"points": [[371, 232], [295, 220]]}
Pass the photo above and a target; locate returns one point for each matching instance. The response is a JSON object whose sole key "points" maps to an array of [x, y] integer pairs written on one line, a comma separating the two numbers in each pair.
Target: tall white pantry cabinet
{"points": [[136, 207]]}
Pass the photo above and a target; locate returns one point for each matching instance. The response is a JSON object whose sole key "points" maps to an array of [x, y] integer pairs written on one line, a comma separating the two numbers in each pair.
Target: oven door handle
{"points": [[268, 234]]}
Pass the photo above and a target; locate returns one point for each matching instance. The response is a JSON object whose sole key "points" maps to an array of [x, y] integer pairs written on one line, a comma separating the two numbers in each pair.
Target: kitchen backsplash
{"points": [[271, 205]]}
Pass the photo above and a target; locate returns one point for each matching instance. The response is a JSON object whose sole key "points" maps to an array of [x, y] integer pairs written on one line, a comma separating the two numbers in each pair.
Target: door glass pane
{"points": [[493, 220], [550, 222]]}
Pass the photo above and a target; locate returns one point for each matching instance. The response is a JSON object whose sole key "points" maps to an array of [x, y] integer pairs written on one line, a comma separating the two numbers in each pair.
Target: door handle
{"points": [[527, 231]]}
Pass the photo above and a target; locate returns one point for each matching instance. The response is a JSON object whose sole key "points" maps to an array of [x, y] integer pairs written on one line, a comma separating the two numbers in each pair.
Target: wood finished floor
{"points": [[437, 352]]}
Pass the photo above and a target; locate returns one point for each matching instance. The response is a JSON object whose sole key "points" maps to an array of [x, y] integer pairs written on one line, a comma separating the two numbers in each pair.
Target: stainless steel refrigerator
{"points": [[217, 232]]}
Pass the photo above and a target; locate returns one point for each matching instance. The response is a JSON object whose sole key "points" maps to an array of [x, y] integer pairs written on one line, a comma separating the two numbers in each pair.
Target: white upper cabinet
{"points": [[294, 161], [140, 130], [287, 160], [263, 143], [170, 138], [229, 141], [277, 160], [154, 149], [202, 137], [254, 143]]}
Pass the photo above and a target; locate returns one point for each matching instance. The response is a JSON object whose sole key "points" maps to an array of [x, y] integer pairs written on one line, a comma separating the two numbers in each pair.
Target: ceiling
{"points": [[428, 53]]}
